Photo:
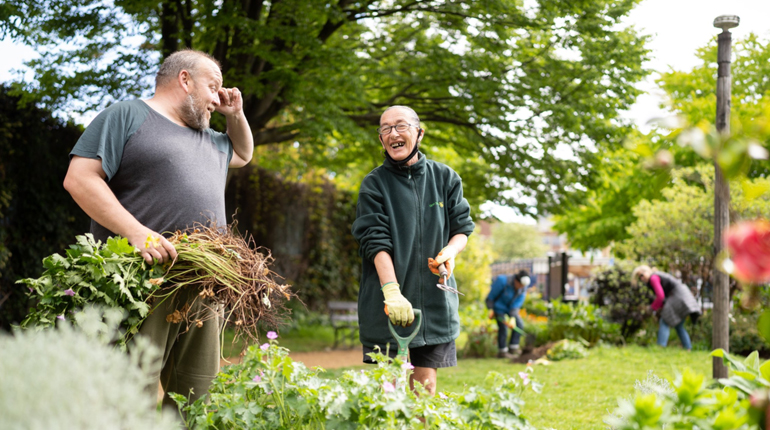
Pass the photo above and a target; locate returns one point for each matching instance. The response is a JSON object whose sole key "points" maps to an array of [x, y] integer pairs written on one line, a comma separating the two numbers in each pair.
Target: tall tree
{"points": [[524, 93], [511, 241], [677, 231], [606, 211]]}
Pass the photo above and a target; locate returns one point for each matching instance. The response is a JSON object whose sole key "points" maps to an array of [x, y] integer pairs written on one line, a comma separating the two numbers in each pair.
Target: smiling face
{"points": [[203, 97], [400, 144]]}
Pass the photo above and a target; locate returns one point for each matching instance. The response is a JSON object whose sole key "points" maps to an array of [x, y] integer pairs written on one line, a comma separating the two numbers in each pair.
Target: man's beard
{"points": [[194, 113]]}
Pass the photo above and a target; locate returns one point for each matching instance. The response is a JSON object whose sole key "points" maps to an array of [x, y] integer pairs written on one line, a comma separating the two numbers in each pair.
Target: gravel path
{"points": [[327, 359]]}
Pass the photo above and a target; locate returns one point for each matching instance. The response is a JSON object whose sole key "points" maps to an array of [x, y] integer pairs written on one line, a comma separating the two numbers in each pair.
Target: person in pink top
{"points": [[674, 301]]}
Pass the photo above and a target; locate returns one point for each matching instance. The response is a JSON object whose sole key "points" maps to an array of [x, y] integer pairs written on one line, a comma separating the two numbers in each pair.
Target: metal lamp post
{"points": [[721, 334]]}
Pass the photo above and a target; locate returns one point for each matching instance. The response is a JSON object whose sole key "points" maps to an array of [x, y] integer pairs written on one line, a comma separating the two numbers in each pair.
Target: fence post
{"points": [[547, 294], [564, 272], [721, 310]]}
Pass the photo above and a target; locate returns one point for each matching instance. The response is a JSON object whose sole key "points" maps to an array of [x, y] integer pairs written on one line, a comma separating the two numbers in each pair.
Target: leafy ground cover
{"points": [[268, 390], [577, 394]]}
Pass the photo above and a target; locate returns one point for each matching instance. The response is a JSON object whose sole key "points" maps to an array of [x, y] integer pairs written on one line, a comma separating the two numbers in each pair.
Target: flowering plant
{"points": [[748, 243], [268, 390]]}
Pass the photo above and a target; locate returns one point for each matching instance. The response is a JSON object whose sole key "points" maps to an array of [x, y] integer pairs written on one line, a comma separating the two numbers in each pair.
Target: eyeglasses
{"points": [[386, 129]]}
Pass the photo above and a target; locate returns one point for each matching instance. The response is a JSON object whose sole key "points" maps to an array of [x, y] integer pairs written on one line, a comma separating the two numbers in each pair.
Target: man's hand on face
{"points": [[230, 101]]}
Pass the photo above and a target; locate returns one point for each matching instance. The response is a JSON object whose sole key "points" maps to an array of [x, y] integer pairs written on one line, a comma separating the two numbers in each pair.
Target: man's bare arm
{"points": [[231, 105], [85, 181]]}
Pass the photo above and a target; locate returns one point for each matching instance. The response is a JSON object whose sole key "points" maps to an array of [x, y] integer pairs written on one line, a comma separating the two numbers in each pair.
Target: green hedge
{"points": [[37, 216]]}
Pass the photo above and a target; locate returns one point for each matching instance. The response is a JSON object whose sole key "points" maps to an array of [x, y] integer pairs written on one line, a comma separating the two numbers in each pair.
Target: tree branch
{"points": [[169, 27], [276, 135]]}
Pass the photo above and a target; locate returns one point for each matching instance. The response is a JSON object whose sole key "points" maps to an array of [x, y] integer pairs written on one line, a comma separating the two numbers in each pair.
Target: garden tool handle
{"points": [[403, 342], [442, 272]]}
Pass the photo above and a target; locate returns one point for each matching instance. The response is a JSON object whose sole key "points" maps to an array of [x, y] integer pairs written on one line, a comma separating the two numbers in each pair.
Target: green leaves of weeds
{"points": [[111, 273], [763, 326], [568, 349], [737, 402], [267, 390]]}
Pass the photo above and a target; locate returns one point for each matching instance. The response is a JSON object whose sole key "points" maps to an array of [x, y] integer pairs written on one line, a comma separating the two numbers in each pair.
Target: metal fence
{"points": [[557, 276]]}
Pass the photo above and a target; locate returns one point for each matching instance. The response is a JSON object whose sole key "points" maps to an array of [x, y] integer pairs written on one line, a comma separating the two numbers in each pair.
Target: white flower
{"points": [[757, 151], [669, 122], [696, 139], [728, 265]]}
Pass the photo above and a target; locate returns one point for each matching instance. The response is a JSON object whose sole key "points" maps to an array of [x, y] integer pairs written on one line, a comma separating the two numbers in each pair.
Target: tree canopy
{"points": [[676, 232], [631, 175], [516, 94], [511, 241]]}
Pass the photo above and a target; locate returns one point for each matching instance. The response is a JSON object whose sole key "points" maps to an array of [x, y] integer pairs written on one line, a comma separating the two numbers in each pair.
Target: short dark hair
{"points": [[186, 59], [522, 273]]}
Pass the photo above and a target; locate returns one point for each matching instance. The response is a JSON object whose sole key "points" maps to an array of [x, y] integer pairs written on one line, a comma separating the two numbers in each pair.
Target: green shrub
{"points": [[270, 391], [623, 302], [535, 305], [566, 349], [744, 336], [737, 402], [37, 217], [580, 321], [472, 272], [71, 378], [537, 333], [480, 330], [648, 335]]}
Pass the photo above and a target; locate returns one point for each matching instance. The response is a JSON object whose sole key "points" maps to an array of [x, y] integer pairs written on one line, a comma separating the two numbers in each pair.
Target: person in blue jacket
{"points": [[506, 298]]}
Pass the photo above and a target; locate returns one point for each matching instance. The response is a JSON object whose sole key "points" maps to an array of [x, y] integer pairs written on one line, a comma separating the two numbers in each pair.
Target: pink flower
{"points": [[269, 392], [407, 366], [60, 317], [524, 377], [264, 346], [272, 335], [69, 292], [749, 246], [442, 395], [388, 387], [256, 378]]}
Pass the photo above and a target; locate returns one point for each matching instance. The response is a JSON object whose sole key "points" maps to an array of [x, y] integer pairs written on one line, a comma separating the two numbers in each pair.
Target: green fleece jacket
{"points": [[410, 213]]}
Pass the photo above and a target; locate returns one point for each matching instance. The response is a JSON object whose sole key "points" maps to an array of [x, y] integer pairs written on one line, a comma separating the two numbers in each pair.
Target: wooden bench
{"points": [[343, 316]]}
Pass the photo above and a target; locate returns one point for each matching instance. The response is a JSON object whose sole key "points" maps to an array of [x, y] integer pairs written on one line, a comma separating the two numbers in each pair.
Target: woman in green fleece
{"points": [[410, 209]]}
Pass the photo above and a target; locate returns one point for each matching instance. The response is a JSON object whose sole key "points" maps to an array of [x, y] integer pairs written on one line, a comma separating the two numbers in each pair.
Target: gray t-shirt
{"points": [[167, 176]]}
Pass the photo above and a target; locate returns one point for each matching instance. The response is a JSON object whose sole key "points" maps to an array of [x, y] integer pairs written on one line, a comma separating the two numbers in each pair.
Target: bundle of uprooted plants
{"points": [[228, 274]]}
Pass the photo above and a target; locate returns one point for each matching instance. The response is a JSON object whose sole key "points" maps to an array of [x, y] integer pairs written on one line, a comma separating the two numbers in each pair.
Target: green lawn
{"points": [[578, 394]]}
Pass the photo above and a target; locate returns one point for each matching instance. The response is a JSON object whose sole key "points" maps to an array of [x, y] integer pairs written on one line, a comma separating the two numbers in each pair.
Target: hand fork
{"points": [[442, 272]]}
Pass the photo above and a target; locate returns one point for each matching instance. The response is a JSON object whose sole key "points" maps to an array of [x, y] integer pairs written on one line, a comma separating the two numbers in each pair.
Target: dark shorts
{"points": [[430, 356]]}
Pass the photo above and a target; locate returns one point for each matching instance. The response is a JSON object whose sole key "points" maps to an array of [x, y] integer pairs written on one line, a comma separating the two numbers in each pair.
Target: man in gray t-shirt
{"points": [[146, 167]]}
